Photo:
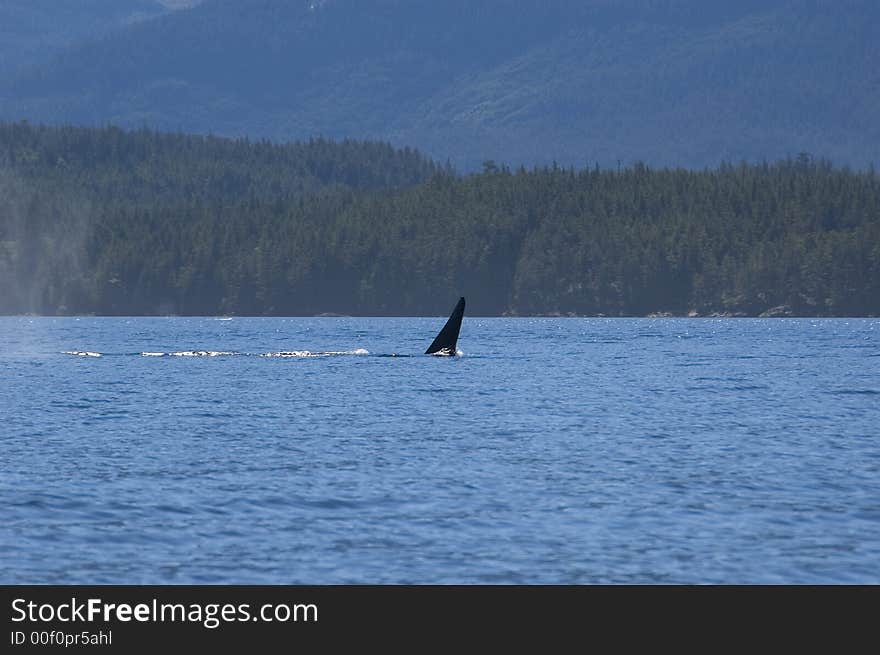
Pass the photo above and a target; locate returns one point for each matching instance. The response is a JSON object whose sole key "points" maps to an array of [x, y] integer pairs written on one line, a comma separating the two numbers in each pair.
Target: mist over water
{"points": [[550, 451]]}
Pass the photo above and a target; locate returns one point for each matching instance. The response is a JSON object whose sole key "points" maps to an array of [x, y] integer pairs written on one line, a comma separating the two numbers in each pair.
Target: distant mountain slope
{"points": [[677, 82], [32, 31]]}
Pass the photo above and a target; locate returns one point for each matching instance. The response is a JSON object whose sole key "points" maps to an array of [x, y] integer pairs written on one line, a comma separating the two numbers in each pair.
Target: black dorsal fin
{"points": [[447, 339]]}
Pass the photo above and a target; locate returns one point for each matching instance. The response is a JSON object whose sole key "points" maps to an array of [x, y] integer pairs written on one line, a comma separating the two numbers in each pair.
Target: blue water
{"points": [[551, 451]]}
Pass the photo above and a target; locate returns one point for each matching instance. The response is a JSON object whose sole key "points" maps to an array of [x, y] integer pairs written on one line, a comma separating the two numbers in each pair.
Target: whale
{"points": [[446, 341]]}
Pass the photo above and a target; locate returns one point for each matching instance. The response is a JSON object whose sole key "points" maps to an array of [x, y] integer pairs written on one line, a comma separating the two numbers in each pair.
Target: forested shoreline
{"points": [[104, 221]]}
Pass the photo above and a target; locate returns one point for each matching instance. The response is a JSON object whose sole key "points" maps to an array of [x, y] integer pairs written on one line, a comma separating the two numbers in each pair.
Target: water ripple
{"points": [[556, 451]]}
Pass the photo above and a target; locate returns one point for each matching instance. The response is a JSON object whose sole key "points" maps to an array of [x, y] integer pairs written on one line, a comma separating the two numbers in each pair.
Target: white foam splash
{"points": [[224, 353], [308, 353], [447, 352], [359, 351], [81, 353]]}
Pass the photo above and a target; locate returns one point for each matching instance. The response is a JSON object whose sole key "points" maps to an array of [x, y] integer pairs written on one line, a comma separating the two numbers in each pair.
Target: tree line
{"points": [[103, 221]]}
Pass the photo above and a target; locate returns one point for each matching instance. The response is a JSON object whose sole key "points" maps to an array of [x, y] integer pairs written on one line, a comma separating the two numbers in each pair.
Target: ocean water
{"points": [[549, 451]]}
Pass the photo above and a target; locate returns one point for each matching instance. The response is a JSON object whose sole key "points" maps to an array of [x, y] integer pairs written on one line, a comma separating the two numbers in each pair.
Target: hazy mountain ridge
{"points": [[179, 4], [32, 31], [674, 82]]}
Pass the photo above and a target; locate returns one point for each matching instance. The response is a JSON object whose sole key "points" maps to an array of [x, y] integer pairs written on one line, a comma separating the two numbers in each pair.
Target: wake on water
{"points": [[444, 345], [223, 353], [307, 353], [228, 353]]}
